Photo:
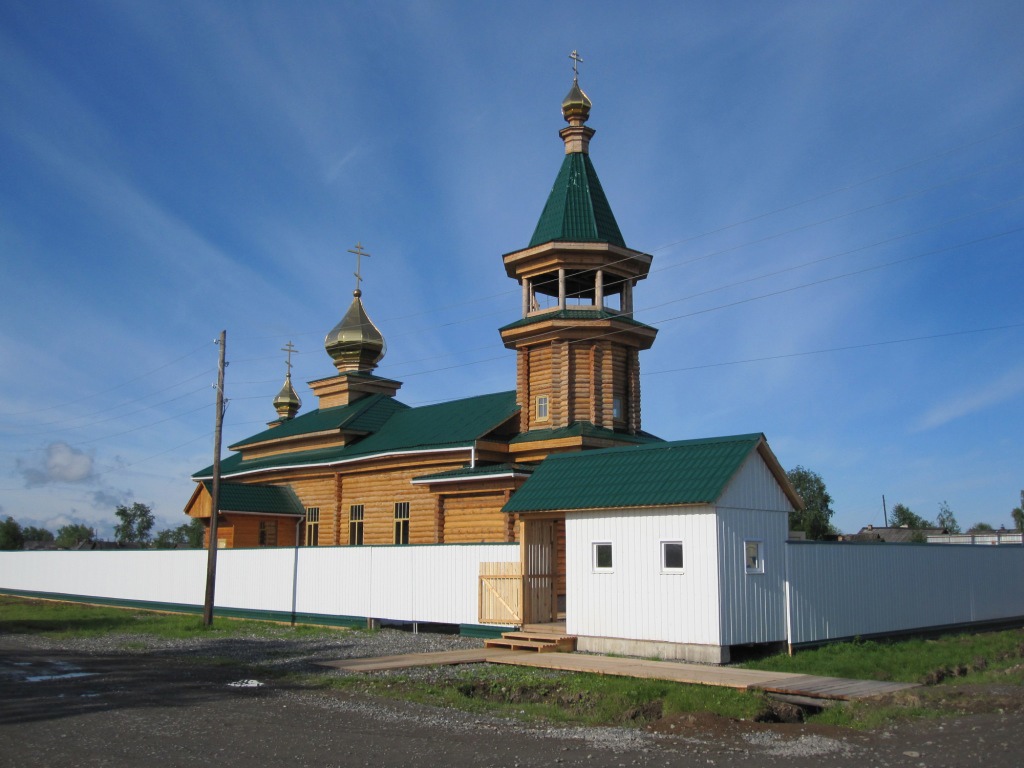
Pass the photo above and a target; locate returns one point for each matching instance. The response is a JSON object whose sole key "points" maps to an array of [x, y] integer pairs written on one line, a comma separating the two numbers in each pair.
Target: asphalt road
{"points": [[65, 709]]}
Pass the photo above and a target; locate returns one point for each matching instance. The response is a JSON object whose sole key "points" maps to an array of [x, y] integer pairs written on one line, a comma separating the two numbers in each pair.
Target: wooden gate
{"points": [[501, 593]]}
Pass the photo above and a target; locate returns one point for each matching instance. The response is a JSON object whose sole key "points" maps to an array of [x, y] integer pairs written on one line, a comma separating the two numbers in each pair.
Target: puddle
{"points": [[62, 676]]}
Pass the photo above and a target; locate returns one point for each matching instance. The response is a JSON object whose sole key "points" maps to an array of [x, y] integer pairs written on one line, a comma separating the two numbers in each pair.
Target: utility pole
{"points": [[211, 560], [885, 512]]}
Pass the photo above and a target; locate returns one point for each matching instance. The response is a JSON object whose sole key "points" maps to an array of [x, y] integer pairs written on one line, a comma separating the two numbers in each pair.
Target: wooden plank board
{"points": [[813, 686]]}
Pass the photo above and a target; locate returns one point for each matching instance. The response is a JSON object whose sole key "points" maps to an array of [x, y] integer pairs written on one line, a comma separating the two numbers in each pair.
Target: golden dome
{"points": [[355, 344]]}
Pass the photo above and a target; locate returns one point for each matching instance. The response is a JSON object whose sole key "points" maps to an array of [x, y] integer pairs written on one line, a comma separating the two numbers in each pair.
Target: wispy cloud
{"points": [[1001, 389]]}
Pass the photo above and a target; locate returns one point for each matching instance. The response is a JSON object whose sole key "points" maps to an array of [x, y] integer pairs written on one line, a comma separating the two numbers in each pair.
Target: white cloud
{"points": [[61, 464], [1003, 388]]}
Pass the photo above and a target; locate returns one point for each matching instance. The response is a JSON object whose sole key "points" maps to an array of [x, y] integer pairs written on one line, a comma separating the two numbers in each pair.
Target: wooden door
{"points": [[540, 571]]}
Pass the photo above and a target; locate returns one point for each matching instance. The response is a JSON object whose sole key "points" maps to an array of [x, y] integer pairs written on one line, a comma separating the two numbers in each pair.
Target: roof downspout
{"points": [[472, 456]]}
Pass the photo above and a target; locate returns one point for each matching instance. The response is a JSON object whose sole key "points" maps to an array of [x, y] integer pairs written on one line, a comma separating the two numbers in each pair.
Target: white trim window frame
{"points": [[543, 408], [753, 556], [602, 557], [671, 552]]}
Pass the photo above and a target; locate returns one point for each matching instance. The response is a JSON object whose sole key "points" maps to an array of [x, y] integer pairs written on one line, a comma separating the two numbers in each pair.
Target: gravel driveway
{"points": [[120, 700]]}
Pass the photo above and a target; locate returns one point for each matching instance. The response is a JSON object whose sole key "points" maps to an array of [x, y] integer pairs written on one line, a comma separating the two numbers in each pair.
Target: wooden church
{"points": [[366, 469]]}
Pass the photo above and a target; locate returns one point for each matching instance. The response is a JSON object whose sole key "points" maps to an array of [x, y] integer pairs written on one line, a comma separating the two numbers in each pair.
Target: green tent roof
{"points": [[577, 210], [584, 429], [259, 499], [655, 474], [444, 425]]}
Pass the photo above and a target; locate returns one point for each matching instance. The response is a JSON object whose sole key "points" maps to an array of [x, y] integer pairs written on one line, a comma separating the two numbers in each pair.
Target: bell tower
{"points": [[577, 343]]}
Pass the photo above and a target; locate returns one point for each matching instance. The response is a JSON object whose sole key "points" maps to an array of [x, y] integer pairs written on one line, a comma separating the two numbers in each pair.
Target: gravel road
{"points": [[126, 701]]}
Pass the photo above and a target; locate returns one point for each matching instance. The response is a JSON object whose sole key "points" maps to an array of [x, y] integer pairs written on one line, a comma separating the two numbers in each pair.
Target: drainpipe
{"points": [[472, 456]]}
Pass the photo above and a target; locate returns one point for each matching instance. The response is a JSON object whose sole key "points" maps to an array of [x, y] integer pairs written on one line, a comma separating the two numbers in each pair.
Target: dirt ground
{"points": [[61, 707]]}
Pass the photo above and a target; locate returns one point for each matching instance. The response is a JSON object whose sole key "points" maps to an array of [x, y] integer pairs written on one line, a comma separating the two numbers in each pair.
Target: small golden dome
{"points": [[355, 344], [287, 402], [576, 105]]}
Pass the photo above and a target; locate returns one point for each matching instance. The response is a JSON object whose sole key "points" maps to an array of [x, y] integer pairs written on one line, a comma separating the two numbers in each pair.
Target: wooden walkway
{"points": [[786, 683]]}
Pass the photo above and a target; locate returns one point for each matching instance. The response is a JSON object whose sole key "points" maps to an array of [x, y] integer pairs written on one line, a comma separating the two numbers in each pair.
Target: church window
{"points": [[542, 408], [312, 526], [617, 408], [355, 524], [268, 533], [401, 522]]}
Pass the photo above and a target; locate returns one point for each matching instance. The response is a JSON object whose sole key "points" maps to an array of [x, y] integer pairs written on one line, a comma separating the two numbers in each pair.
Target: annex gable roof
{"points": [[652, 475]]}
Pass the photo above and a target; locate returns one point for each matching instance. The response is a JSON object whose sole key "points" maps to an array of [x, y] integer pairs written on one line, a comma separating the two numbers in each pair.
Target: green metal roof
{"points": [[574, 314], [479, 471], [364, 415], [444, 425], [261, 499], [656, 474], [584, 429], [577, 210]]}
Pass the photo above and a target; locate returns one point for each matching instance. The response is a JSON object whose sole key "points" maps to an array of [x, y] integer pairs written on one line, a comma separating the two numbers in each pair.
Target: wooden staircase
{"points": [[541, 641]]}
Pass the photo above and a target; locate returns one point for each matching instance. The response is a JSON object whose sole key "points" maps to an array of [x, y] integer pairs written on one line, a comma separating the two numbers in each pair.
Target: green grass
{"points": [[26, 616], [907, 661], [538, 694]]}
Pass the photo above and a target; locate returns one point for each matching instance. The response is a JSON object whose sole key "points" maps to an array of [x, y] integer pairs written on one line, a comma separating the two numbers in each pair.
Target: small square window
{"points": [[753, 559], [602, 556], [542, 408], [672, 556]]}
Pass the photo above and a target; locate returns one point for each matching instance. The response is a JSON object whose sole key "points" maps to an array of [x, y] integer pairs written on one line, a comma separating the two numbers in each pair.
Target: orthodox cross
{"points": [[359, 252], [576, 61], [290, 349]]}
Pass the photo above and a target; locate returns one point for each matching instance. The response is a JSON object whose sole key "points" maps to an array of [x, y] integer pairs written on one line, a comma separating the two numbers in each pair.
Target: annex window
{"points": [[312, 526], [355, 524], [753, 557], [602, 556], [672, 557], [542, 408], [268, 533], [401, 522]]}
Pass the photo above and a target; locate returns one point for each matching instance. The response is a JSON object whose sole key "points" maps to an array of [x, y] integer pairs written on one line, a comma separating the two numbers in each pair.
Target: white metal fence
{"points": [[846, 590], [431, 583]]}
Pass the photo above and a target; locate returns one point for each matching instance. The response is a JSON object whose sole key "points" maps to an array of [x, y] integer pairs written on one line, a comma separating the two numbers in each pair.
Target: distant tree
{"points": [[11, 535], [815, 519], [901, 516], [136, 523], [981, 528], [947, 519], [32, 533], [74, 533], [1018, 518], [188, 535]]}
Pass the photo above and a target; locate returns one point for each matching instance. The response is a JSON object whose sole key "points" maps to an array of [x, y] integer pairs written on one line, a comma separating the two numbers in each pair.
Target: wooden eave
{"points": [[779, 474], [293, 440], [560, 329], [546, 257]]}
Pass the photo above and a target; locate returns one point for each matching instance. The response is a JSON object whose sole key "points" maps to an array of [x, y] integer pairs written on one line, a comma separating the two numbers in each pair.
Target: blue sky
{"points": [[832, 193]]}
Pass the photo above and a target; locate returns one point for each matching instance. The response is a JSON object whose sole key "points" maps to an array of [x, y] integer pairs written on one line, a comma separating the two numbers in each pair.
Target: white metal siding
{"points": [[432, 583], [754, 487], [844, 590], [636, 600], [753, 605]]}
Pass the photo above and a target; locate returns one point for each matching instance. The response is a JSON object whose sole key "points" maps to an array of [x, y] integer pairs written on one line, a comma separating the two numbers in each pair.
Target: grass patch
{"points": [[571, 698], [28, 616], [913, 660]]}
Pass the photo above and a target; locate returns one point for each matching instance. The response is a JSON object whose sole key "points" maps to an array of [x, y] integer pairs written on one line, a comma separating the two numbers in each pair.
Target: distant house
{"points": [[900, 535]]}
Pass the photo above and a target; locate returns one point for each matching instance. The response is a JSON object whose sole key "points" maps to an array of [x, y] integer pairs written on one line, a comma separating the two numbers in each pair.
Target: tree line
{"points": [[134, 527]]}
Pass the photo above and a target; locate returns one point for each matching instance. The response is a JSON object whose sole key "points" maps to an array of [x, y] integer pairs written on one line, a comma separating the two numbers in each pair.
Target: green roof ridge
{"points": [[573, 314], [577, 209]]}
